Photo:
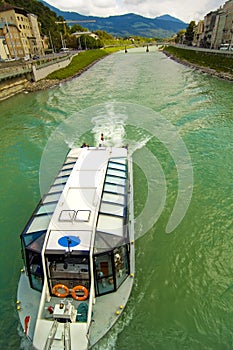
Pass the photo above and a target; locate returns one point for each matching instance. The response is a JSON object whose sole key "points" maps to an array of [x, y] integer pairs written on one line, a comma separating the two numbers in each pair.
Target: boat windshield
{"points": [[69, 270]]}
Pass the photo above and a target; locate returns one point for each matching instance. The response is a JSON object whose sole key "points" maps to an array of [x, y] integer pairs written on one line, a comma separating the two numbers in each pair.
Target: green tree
{"points": [[180, 36], [87, 42], [189, 34], [77, 28], [104, 35]]}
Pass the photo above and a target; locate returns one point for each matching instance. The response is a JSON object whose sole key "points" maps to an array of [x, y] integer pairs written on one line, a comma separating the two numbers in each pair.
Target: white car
{"points": [[226, 47]]}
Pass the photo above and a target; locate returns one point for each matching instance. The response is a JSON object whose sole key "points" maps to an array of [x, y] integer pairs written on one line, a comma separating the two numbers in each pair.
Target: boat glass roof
{"points": [[111, 226]]}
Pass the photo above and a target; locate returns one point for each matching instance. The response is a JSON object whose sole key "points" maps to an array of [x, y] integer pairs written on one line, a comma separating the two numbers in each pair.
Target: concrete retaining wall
{"points": [[14, 78], [40, 72]]}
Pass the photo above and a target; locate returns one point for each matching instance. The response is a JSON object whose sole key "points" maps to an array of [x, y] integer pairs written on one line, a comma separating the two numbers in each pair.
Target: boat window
{"points": [[46, 208], [28, 238], [113, 198], [111, 269], [35, 270], [111, 225], [61, 180], [113, 209], [56, 189], [121, 264], [115, 180], [118, 166], [104, 280], [116, 172], [51, 198], [39, 223], [113, 188], [68, 270]]}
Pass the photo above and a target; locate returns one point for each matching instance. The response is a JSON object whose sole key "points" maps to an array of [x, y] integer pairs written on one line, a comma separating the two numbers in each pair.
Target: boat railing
{"points": [[51, 336], [91, 298]]}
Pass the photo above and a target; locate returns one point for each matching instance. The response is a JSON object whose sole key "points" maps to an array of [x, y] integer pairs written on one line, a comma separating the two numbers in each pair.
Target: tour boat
{"points": [[78, 251]]}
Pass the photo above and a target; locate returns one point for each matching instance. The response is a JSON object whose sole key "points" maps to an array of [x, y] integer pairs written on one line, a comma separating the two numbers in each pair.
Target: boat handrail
{"points": [[51, 336], [92, 290]]}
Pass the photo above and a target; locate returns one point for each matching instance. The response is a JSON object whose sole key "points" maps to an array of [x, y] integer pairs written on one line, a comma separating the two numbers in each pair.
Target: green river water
{"points": [[181, 123]]}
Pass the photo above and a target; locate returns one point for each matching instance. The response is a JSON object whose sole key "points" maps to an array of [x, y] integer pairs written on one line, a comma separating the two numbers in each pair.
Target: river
{"points": [[180, 123]]}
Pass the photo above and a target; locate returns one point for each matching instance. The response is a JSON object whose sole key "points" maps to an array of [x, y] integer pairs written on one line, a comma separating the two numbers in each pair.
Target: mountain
{"points": [[169, 18], [129, 24]]}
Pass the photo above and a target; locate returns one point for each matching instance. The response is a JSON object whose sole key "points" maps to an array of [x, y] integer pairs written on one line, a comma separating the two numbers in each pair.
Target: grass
{"points": [[81, 61], [218, 62]]}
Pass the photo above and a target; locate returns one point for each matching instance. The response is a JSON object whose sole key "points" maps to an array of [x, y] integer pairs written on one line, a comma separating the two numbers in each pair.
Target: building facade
{"points": [[21, 31], [228, 27], [217, 28]]}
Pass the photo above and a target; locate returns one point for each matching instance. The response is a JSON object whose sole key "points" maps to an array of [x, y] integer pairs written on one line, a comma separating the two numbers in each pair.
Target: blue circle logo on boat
{"points": [[69, 241]]}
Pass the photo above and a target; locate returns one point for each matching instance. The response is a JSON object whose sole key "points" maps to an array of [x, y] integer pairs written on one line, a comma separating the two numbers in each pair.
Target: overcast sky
{"points": [[186, 10]]}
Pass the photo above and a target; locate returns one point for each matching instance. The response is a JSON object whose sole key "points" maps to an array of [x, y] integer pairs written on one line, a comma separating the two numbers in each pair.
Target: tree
{"points": [[103, 35], [189, 35], [87, 42], [77, 28], [180, 36]]}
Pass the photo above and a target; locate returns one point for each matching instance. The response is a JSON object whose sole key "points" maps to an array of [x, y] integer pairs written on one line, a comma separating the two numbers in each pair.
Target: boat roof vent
{"points": [[67, 215], [73, 215]]}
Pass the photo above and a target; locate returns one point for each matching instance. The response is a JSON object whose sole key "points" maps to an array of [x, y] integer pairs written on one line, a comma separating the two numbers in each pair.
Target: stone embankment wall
{"points": [[12, 86]]}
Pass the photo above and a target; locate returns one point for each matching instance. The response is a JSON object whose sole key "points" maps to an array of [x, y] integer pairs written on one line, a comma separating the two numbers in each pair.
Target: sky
{"points": [[185, 10]]}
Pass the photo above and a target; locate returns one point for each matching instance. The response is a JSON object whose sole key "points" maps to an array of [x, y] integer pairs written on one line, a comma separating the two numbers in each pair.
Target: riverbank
{"points": [[216, 65], [79, 64]]}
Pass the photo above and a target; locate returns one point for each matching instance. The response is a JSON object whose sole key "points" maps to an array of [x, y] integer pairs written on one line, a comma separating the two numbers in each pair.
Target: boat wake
{"points": [[135, 126]]}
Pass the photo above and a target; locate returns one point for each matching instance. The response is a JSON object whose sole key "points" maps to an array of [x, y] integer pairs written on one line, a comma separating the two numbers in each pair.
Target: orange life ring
{"points": [[82, 289], [60, 286]]}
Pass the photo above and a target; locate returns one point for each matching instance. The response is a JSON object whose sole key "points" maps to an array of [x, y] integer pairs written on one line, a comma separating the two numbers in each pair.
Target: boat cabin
{"points": [[78, 233]]}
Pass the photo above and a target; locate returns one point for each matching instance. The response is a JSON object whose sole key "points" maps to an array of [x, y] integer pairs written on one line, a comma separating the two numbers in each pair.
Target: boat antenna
{"points": [[69, 241]]}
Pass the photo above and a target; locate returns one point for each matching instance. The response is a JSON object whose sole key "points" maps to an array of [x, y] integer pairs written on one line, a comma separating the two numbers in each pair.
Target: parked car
{"points": [[226, 47], [9, 59], [64, 50], [35, 57]]}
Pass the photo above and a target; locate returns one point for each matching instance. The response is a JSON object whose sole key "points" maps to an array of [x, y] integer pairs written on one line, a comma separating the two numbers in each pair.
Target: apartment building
{"points": [[11, 45], [198, 33], [227, 37], [21, 32], [217, 28]]}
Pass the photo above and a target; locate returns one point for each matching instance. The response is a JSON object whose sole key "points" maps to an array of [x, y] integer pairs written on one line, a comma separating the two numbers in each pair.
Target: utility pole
{"points": [[51, 43], [63, 43], [79, 44]]}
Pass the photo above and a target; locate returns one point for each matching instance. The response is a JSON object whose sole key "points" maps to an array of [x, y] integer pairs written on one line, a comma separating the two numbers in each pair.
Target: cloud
{"points": [[185, 10]]}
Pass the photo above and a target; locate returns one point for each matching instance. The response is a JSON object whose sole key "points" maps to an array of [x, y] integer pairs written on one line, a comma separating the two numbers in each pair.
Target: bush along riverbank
{"points": [[80, 63], [219, 65]]}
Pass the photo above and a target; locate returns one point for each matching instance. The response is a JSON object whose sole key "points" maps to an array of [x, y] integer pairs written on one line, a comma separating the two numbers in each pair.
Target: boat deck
{"points": [[106, 309]]}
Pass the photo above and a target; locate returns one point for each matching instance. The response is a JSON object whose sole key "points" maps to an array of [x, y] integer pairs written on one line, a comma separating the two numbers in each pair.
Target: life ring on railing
{"points": [[60, 286], [80, 289]]}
